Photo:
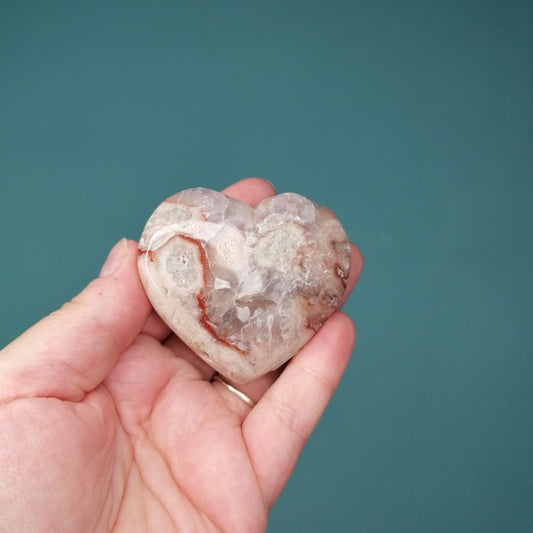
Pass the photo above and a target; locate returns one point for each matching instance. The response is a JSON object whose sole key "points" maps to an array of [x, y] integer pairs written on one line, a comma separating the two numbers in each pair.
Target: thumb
{"points": [[70, 352]]}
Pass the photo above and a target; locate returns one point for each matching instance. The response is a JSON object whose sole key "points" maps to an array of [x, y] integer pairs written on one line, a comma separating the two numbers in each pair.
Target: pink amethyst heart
{"points": [[244, 288]]}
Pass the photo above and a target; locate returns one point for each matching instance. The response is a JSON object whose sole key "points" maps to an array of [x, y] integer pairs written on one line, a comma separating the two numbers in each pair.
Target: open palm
{"points": [[109, 423]]}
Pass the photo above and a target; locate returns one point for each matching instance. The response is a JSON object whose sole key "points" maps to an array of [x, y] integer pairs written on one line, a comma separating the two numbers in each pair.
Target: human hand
{"points": [[109, 423]]}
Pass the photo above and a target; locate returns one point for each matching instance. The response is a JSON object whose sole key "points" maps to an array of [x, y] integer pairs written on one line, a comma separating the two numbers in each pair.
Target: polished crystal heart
{"points": [[245, 288]]}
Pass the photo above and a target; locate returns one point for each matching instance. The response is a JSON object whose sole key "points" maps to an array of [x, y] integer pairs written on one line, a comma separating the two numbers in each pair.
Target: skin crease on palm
{"points": [[108, 423]]}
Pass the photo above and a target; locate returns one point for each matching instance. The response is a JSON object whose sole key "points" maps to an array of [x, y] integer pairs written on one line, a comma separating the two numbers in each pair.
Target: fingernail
{"points": [[115, 257]]}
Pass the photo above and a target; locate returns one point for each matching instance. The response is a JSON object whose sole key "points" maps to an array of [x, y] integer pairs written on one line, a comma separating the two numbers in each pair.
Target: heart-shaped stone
{"points": [[244, 288]]}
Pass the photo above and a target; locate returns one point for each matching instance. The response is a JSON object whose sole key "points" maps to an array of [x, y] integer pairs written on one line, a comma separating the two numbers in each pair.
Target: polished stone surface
{"points": [[244, 288]]}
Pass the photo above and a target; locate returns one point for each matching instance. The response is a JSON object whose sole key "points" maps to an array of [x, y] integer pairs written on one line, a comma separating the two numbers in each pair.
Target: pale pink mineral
{"points": [[244, 288]]}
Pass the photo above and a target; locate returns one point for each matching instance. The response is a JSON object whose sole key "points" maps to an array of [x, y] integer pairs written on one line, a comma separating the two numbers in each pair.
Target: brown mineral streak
{"points": [[204, 318], [140, 251], [339, 272], [201, 254]]}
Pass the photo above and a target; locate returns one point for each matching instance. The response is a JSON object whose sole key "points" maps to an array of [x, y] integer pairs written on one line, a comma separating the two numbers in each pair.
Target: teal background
{"points": [[412, 120]]}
